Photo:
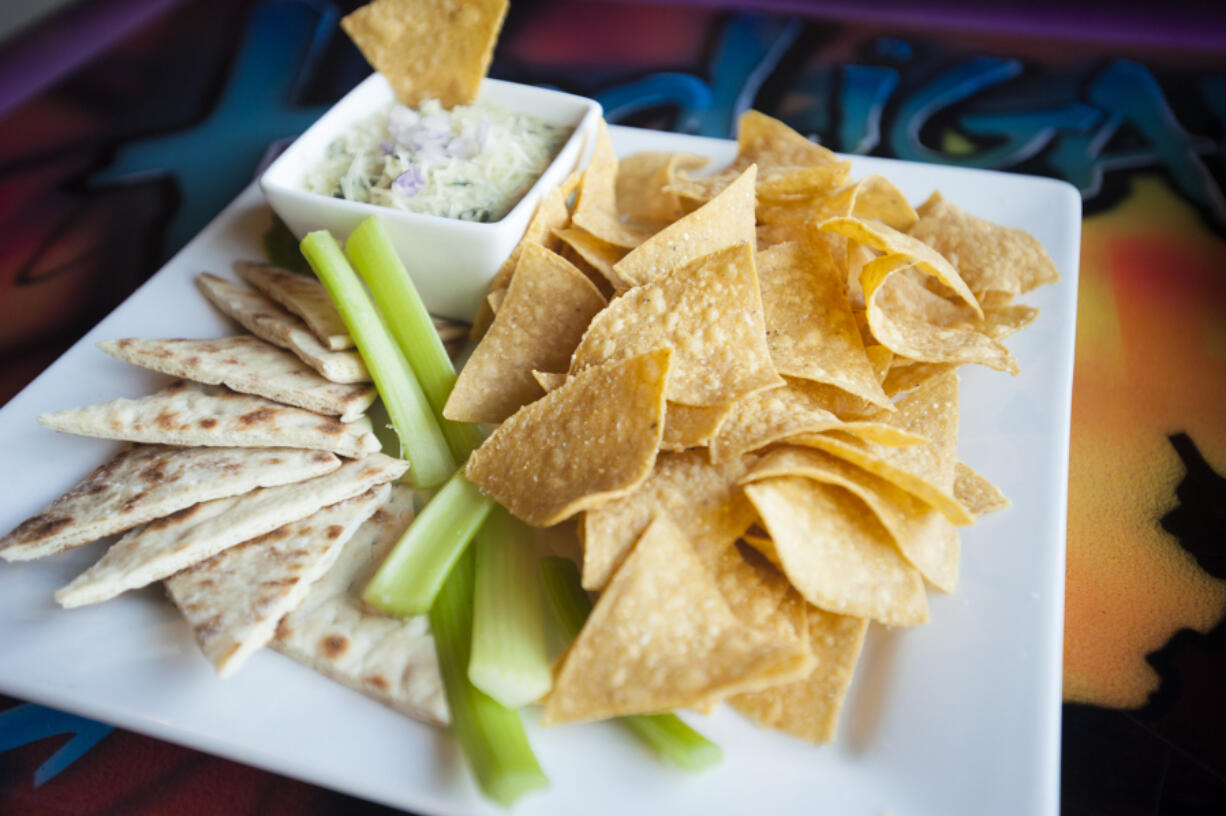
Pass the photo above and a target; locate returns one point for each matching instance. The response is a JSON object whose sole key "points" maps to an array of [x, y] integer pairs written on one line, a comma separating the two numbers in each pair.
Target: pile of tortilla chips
{"points": [[743, 386]]}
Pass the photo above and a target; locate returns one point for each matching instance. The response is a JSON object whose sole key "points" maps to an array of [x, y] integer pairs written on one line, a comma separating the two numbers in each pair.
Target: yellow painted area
{"points": [[1146, 367]]}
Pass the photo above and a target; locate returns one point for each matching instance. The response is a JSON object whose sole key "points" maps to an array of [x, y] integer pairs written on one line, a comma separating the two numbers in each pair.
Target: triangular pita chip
{"points": [[590, 440], [663, 637], [547, 308], [187, 413], [234, 600], [146, 482], [708, 312], [249, 365], [390, 659], [301, 295], [264, 318], [175, 542]]}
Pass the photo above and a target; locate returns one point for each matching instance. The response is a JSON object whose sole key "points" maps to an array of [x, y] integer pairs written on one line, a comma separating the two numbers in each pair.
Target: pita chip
{"points": [[187, 413], [234, 600], [248, 365], [265, 319], [176, 542], [147, 482], [389, 659], [301, 295]]}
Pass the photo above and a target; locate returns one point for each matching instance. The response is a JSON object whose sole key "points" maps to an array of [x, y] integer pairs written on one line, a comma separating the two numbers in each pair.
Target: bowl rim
{"points": [[586, 107]]}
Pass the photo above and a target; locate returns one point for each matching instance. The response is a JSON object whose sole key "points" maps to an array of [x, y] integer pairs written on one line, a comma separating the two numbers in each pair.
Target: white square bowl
{"points": [[450, 260]]}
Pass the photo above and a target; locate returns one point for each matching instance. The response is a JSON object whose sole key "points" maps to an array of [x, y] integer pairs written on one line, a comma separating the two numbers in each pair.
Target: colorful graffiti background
{"points": [[107, 171]]}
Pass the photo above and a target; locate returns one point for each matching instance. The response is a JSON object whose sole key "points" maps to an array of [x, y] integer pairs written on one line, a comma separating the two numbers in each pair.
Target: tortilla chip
{"points": [[600, 255], [701, 498], [809, 326], [663, 637], [147, 482], [708, 312], [836, 553], [537, 326], [429, 49], [724, 221], [233, 600], [688, 426], [809, 708], [989, 257], [926, 471], [642, 180], [596, 207], [548, 380], [906, 375], [590, 440], [924, 537], [975, 493], [873, 197], [878, 236], [896, 322], [800, 407]]}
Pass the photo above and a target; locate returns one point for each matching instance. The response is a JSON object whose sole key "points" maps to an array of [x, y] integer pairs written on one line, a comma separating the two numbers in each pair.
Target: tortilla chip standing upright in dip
{"points": [[429, 49]]}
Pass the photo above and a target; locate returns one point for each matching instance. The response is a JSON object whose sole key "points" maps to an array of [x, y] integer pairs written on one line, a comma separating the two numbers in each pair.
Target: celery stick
{"points": [[491, 736], [421, 441], [375, 258], [509, 661], [410, 577], [665, 734]]}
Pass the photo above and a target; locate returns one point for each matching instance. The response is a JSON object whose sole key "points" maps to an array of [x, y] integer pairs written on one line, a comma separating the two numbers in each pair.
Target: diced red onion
{"points": [[461, 148], [410, 182]]}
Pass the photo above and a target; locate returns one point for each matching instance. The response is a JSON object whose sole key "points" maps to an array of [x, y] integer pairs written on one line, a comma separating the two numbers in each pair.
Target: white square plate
{"points": [[961, 716]]}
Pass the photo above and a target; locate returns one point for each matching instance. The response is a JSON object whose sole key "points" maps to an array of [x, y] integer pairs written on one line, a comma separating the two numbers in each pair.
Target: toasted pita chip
{"points": [[809, 708], [836, 553], [390, 659], [234, 600], [809, 326], [261, 316], [927, 470], [989, 257], [176, 542], [689, 426], [187, 413], [642, 180], [924, 537], [709, 312], [588, 441], [250, 366], [547, 308], [301, 295], [882, 238], [428, 49], [663, 637], [891, 301], [800, 407], [702, 499], [975, 493], [146, 482], [724, 221], [596, 206]]}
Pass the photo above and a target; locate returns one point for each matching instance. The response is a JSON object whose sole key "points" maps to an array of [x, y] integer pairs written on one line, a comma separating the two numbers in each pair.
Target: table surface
{"points": [[126, 124]]}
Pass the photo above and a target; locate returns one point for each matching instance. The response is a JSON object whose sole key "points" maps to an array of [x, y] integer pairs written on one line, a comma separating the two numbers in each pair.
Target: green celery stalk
{"points": [[421, 441], [375, 258], [509, 660], [491, 736], [665, 734], [410, 577]]}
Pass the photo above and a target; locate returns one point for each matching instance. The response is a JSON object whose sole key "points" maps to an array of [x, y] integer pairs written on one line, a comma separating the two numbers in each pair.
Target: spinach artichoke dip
{"points": [[473, 162]]}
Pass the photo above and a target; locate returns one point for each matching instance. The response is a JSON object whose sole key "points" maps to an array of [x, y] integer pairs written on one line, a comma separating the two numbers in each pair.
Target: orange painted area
{"points": [[1153, 278]]}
